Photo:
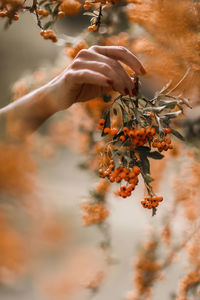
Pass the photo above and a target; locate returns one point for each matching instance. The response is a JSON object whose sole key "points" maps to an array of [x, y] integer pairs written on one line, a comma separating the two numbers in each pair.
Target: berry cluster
{"points": [[150, 202], [93, 28], [5, 13], [49, 35], [163, 144], [130, 176]]}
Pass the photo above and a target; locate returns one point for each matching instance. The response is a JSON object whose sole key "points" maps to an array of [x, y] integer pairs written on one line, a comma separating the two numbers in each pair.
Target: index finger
{"points": [[122, 54]]}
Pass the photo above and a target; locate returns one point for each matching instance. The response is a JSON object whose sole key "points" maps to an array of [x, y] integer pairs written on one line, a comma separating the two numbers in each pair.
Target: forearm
{"points": [[27, 114]]}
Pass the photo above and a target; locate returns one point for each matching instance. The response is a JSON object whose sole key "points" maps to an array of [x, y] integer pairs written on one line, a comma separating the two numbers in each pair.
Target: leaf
{"points": [[173, 115], [142, 149], [177, 134], [48, 7], [93, 20], [148, 179], [186, 102], [160, 127], [56, 9], [142, 103], [144, 163], [47, 25], [124, 114], [126, 102], [155, 109], [155, 155], [89, 14], [168, 103]]}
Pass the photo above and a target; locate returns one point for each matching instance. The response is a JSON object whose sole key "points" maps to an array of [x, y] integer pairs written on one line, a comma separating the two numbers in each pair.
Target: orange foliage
{"points": [[174, 44], [17, 168]]}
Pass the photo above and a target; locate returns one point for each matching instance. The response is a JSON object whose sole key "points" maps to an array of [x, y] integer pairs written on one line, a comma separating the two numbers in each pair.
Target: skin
{"points": [[92, 73]]}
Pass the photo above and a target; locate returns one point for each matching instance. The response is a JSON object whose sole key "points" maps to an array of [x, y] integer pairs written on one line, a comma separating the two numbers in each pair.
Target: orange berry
{"points": [[16, 17], [168, 141], [118, 179], [167, 130], [90, 29], [114, 131], [159, 198], [61, 14], [122, 138], [45, 13], [101, 122], [125, 130], [132, 174], [95, 27], [153, 131], [123, 188], [163, 144], [132, 133], [123, 175], [136, 170], [151, 115], [136, 180], [106, 130]]}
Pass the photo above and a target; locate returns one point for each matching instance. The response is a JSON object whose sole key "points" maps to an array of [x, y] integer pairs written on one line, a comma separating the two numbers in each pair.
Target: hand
{"points": [[94, 72]]}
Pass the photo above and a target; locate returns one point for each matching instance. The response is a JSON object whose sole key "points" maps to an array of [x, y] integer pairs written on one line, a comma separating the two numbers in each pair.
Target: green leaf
{"points": [[142, 149], [48, 7], [177, 134], [148, 179], [144, 164], [47, 25], [124, 114], [155, 155], [56, 9]]}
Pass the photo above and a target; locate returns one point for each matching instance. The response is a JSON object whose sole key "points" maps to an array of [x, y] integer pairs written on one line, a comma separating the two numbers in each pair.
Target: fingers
{"points": [[103, 62], [122, 54], [121, 82], [90, 77]]}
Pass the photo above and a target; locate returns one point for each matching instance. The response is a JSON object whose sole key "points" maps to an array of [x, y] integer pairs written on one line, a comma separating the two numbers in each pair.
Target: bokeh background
{"points": [[62, 186]]}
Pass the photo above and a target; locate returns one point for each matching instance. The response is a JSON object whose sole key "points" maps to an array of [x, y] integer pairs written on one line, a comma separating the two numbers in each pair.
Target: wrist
{"points": [[56, 98]]}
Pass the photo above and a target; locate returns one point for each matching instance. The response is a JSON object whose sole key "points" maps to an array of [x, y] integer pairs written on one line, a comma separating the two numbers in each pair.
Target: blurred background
{"points": [[62, 186]]}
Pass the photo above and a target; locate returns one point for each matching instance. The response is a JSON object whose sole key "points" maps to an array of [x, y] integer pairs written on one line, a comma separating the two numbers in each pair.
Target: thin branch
{"points": [[182, 79]]}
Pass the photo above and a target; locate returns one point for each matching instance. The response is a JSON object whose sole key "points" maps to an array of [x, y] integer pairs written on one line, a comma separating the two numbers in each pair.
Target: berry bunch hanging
{"points": [[137, 129]]}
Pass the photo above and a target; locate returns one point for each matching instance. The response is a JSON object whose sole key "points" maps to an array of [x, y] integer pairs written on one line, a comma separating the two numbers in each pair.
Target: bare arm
{"points": [[93, 72]]}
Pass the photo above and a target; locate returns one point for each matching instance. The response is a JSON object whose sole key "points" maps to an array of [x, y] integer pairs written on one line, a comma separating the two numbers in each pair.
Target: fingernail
{"points": [[110, 82], [126, 91], [142, 70]]}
